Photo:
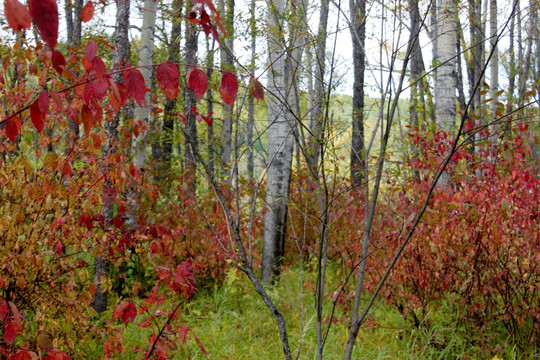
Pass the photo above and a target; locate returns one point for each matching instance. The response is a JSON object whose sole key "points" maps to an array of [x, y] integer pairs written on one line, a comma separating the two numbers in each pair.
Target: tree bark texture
{"points": [[163, 153], [280, 143], [227, 64], [146, 58], [358, 34], [191, 101], [101, 264], [317, 120], [445, 82]]}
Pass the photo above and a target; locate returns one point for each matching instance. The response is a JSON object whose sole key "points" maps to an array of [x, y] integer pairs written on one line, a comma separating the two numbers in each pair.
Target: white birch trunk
{"points": [[445, 82], [146, 57], [280, 142]]}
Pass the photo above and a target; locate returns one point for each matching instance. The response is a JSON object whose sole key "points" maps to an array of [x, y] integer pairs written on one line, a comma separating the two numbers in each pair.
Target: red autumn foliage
{"points": [[44, 13], [58, 61], [197, 81], [256, 89], [87, 11], [135, 85], [228, 88], [168, 78], [17, 15]]}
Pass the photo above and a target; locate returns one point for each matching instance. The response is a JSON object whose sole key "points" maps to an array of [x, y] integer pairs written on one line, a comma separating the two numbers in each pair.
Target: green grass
{"points": [[232, 322]]}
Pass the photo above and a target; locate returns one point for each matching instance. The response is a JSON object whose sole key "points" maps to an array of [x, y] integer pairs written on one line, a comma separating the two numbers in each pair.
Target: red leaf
{"points": [[228, 88], [67, 172], [22, 355], [58, 247], [87, 12], [17, 16], [95, 90], [91, 50], [87, 119], [256, 89], [135, 85], [58, 61], [57, 355], [12, 327], [99, 66], [126, 311], [13, 126], [45, 16], [208, 120], [43, 101], [197, 81], [86, 221], [167, 76], [38, 117]]}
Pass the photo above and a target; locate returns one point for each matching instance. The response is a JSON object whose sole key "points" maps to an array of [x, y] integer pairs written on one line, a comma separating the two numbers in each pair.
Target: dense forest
{"points": [[184, 179]]}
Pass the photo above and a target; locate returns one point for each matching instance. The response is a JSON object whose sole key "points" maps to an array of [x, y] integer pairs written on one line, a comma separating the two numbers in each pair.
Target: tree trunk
{"points": [[319, 105], [210, 108], [476, 58], [358, 34], [77, 24], [191, 101], [163, 152], [146, 58], [227, 63], [111, 129], [445, 83], [280, 143], [417, 110], [494, 67], [251, 100]]}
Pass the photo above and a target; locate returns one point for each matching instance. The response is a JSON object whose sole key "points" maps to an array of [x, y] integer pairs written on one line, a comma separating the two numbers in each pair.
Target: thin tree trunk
{"points": [[494, 66], [251, 101], [210, 138], [77, 24], [512, 66], [101, 264], [68, 7], [163, 153], [227, 63], [316, 124], [191, 101], [358, 34], [417, 78]]}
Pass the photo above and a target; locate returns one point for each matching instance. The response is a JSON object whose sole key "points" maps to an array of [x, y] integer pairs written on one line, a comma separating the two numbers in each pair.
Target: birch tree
{"points": [[280, 142], [146, 58], [445, 82]]}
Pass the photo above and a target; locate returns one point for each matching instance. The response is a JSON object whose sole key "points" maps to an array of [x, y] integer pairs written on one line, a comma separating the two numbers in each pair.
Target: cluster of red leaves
{"points": [[477, 245]]}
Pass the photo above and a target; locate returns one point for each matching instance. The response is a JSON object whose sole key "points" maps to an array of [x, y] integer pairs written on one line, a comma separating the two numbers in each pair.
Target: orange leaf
{"points": [[87, 12], [256, 89]]}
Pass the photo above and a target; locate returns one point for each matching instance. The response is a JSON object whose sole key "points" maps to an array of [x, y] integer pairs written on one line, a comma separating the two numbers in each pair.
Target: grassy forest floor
{"points": [[232, 322]]}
